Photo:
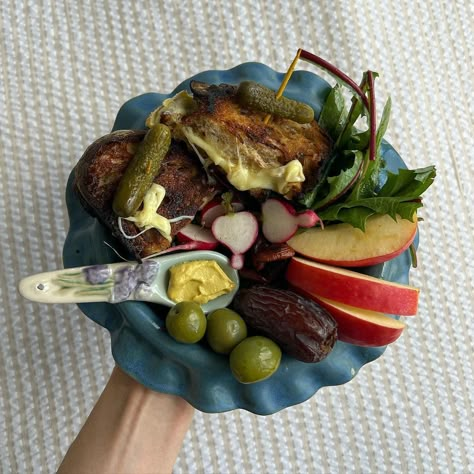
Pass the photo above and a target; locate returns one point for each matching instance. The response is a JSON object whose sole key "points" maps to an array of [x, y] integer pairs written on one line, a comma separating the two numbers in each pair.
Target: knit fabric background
{"points": [[65, 69]]}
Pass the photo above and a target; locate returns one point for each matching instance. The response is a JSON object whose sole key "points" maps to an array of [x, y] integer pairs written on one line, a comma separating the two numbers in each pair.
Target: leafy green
{"points": [[310, 196], [349, 187], [338, 185], [336, 120], [339, 124], [356, 216], [357, 212], [383, 125], [368, 182], [333, 113], [399, 195], [356, 111], [349, 134], [359, 140], [408, 183]]}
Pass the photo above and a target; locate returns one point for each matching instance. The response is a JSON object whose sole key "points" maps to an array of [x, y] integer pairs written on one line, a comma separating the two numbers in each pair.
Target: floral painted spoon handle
{"points": [[124, 281]]}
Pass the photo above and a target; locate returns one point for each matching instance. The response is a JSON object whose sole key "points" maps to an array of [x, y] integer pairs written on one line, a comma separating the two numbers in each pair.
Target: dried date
{"points": [[302, 328]]}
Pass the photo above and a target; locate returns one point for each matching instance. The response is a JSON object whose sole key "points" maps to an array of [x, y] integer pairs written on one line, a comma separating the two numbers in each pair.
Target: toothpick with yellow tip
{"points": [[285, 82]]}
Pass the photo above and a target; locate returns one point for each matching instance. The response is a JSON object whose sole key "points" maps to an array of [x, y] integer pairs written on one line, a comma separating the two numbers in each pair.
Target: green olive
{"points": [[255, 96], [255, 359], [141, 170], [225, 329], [186, 322]]}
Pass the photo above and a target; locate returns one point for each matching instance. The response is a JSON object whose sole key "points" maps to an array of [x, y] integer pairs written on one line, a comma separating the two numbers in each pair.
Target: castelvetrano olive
{"points": [[186, 322], [254, 359], [225, 329]]}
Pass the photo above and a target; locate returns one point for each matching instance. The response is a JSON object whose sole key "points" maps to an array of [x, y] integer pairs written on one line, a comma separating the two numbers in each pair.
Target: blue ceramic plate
{"points": [[146, 352]]}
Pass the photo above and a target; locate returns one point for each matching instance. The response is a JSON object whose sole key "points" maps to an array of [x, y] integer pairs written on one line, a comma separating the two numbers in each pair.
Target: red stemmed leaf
{"points": [[336, 72], [369, 103], [372, 116]]}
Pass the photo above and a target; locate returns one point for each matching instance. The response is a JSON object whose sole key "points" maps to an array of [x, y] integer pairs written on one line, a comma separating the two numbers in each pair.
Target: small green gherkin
{"points": [[261, 98], [142, 170]]}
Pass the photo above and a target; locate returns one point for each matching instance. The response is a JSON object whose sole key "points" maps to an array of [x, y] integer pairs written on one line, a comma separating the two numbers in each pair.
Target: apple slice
{"points": [[352, 288], [346, 246], [360, 326]]}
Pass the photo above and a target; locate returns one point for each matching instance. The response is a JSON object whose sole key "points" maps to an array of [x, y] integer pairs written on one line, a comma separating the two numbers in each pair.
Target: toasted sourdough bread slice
{"points": [[283, 156], [98, 173]]}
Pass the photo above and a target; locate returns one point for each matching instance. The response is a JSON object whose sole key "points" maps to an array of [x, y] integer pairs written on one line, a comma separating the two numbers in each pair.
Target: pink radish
{"points": [[237, 232], [281, 221], [191, 245], [197, 235], [215, 209], [192, 237]]}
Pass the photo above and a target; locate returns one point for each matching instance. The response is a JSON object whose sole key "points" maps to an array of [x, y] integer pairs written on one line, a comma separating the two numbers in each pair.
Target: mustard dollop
{"points": [[199, 281]]}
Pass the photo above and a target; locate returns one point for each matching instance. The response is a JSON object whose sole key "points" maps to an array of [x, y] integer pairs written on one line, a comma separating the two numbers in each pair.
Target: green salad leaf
{"points": [[399, 195], [344, 138], [339, 125], [383, 125], [367, 184], [334, 112], [408, 183], [349, 190], [337, 185]]}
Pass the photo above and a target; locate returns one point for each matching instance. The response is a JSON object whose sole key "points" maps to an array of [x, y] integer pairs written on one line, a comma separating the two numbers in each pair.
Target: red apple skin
{"points": [[352, 288], [358, 326], [345, 246]]}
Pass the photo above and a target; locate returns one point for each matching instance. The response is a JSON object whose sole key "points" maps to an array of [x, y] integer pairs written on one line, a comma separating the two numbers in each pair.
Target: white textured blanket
{"points": [[67, 66]]}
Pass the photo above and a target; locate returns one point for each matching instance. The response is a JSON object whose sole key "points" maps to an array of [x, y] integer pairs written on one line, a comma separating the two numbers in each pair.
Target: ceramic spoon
{"points": [[124, 281]]}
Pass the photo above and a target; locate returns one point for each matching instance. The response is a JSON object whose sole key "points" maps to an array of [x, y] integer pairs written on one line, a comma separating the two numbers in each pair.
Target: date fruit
{"points": [[302, 328]]}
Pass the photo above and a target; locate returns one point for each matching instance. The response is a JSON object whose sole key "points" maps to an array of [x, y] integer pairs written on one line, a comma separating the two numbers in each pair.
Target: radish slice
{"points": [[199, 235], [187, 246], [237, 261], [238, 232], [281, 221], [192, 237], [215, 209]]}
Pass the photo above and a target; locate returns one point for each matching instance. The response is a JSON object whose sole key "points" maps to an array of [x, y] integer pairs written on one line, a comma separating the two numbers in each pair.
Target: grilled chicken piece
{"points": [[98, 173], [283, 156]]}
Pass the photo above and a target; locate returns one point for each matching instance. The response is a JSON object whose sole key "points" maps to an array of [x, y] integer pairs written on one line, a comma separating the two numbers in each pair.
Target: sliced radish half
{"points": [[281, 221], [238, 232], [196, 234], [215, 209]]}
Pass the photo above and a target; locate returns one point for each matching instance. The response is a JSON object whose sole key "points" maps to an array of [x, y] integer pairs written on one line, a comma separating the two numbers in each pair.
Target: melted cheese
{"points": [[277, 179], [148, 218], [244, 178], [178, 106]]}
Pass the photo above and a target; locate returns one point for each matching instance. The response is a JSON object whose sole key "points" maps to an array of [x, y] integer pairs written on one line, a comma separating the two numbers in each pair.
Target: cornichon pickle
{"points": [[258, 97], [141, 170], [302, 328]]}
